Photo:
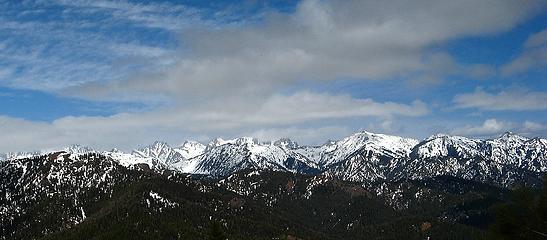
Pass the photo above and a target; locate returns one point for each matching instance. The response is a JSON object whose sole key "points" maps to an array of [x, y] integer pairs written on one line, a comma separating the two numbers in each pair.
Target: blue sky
{"points": [[125, 73]]}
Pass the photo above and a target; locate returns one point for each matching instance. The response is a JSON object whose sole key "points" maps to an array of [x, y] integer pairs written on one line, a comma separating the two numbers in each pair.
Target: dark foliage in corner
{"points": [[523, 217]]}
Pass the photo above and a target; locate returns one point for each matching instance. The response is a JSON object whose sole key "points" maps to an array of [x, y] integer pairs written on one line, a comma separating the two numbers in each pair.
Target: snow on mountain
{"points": [[535, 155], [335, 151], [219, 142], [182, 159], [224, 157], [504, 160], [511, 149], [362, 156], [508, 149], [366, 156], [190, 149], [17, 155], [286, 143], [160, 155], [78, 149], [27, 181], [73, 149], [441, 145], [160, 151]]}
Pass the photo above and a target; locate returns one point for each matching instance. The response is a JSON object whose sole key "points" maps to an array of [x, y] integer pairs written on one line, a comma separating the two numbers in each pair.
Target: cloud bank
{"points": [[324, 40], [127, 130], [224, 79], [511, 99], [534, 55]]}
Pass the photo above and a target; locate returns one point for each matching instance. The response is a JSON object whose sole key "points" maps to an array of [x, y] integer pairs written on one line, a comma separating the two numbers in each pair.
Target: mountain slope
{"points": [[225, 157], [70, 196], [504, 161]]}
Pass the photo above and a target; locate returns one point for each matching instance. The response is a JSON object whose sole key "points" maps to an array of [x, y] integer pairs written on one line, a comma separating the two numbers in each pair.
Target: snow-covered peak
{"points": [[336, 151], [160, 150], [362, 155], [237, 141], [78, 149], [389, 142], [286, 143], [374, 141], [537, 142], [510, 138], [217, 142], [441, 145], [438, 135], [159, 155], [115, 150], [329, 142], [18, 155], [191, 149], [245, 141]]}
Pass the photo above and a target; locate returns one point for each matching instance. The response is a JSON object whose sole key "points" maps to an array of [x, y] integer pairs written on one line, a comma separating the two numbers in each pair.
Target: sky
{"points": [[125, 73]]}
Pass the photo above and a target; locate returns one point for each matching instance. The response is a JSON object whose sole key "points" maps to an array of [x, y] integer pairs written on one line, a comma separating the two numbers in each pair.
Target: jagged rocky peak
{"points": [[329, 142], [78, 149], [216, 142], [337, 151], [160, 145], [246, 141], [237, 141], [115, 150], [538, 141], [286, 143], [511, 139], [158, 149], [191, 144], [191, 149]]}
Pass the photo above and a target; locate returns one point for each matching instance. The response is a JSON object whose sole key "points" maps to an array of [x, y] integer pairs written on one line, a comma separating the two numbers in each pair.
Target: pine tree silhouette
{"points": [[524, 217], [216, 232]]}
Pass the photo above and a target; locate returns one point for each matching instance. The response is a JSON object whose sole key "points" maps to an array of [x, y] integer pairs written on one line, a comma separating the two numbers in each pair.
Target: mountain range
{"points": [[366, 184], [363, 156]]}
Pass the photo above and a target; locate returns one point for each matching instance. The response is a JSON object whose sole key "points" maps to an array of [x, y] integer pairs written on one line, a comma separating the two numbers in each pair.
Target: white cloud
{"points": [[6, 72], [534, 127], [156, 15], [326, 40], [229, 118], [489, 127], [511, 99], [534, 55], [229, 80], [494, 127], [480, 71], [81, 41], [305, 106], [314, 136]]}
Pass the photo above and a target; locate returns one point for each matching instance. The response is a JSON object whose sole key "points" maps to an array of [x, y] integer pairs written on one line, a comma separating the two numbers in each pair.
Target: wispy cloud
{"points": [[227, 118], [322, 41], [534, 55], [507, 100], [204, 74], [303, 135], [164, 15], [494, 127], [489, 127], [55, 45]]}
